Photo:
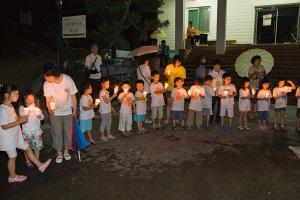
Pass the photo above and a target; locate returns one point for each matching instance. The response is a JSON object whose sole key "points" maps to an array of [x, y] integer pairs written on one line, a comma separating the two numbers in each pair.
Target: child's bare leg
{"points": [[264, 122], [230, 121], [174, 123], [32, 157], [27, 159], [245, 119], [282, 118], [275, 118], [11, 165], [222, 120], [241, 118], [91, 136], [182, 122], [207, 119], [37, 154], [139, 125]]}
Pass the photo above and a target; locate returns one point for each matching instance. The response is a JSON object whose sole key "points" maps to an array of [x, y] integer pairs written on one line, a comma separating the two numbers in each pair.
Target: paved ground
{"points": [[161, 165]]}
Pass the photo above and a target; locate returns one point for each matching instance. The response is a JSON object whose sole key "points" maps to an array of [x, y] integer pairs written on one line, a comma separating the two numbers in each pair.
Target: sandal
{"points": [[45, 165], [59, 159], [67, 156], [17, 179]]}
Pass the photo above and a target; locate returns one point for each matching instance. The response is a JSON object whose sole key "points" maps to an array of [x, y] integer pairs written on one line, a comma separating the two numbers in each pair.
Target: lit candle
{"points": [[253, 92], [38, 111], [215, 89], [225, 93], [145, 93], [52, 105], [169, 72], [26, 111], [116, 89], [97, 102], [126, 90], [267, 95], [166, 85], [189, 92]]}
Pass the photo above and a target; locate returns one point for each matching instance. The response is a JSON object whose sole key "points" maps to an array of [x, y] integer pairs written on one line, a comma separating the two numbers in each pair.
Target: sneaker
{"points": [[92, 141], [148, 121], [124, 134], [276, 128], [111, 137], [17, 179], [284, 129], [247, 128], [129, 133], [160, 126], [241, 128], [104, 139]]}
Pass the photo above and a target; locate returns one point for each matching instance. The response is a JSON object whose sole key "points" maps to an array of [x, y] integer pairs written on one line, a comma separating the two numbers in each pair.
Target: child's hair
{"points": [[178, 79], [199, 81], [103, 79], [26, 94], [139, 82], [176, 57], [245, 80], [279, 79], [154, 72], [217, 62], [125, 83], [263, 82], [225, 75], [208, 78], [7, 89], [84, 86], [50, 69], [254, 58]]}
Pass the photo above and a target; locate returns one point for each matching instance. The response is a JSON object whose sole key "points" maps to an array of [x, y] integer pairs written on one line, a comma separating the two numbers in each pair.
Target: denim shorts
{"points": [[86, 125], [177, 115], [139, 118], [262, 115]]}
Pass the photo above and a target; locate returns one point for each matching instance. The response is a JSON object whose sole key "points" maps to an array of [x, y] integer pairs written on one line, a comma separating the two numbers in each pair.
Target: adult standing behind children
{"points": [[60, 92], [216, 73], [172, 71], [93, 64]]}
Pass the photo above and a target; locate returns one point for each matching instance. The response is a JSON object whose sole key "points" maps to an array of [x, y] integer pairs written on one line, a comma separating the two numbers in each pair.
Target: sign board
{"points": [[267, 20], [74, 26]]}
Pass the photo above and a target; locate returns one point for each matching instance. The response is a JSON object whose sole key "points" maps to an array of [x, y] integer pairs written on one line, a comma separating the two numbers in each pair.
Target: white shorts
{"points": [[12, 153], [245, 107], [228, 109]]}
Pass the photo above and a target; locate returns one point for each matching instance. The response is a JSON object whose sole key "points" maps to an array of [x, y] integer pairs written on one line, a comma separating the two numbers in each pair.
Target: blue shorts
{"points": [[86, 125], [178, 115], [262, 115], [139, 118]]}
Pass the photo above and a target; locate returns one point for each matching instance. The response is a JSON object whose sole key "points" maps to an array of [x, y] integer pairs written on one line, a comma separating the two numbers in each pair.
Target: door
{"points": [[266, 26], [194, 17]]}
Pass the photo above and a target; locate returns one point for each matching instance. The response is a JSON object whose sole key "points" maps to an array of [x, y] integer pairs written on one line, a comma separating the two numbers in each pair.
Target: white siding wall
{"points": [[240, 17]]}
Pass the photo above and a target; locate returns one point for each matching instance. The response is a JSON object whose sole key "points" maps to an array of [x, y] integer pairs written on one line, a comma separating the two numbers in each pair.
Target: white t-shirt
{"points": [[126, 104], [33, 123], [297, 95], [281, 102], [89, 60], [217, 81], [197, 92], [9, 137], [178, 96], [243, 103], [86, 114], [157, 99], [61, 95], [264, 105], [146, 72], [141, 105], [104, 107], [229, 89], [209, 92]]}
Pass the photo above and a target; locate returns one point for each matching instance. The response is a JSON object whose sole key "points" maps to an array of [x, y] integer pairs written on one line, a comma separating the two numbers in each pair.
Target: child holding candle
{"points": [[140, 106], [207, 100], [244, 104], [87, 111], [157, 100], [126, 99], [298, 109], [32, 132], [105, 109], [196, 93], [227, 92], [11, 137], [280, 96], [263, 105], [178, 96]]}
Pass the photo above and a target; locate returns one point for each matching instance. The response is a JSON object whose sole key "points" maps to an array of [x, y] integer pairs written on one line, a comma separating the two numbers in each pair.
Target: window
{"points": [[200, 18]]}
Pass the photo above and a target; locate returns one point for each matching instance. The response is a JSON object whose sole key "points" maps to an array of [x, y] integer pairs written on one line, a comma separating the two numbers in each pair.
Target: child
{"points": [[207, 100], [157, 100], [126, 99], [280, 96], [32, 132], [106, 109], [244, 104], [227, 92], [86, 111], [140, 106], [11, 136], [298, 109], [263, 105], [196, 93], [178, 96]]}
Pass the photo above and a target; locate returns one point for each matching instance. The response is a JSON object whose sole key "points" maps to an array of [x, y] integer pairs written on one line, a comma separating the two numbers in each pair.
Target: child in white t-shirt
{"points": [[263, 105], [126, 99], [196, 93], [140, 106], [105, 109], [207, 100], [31, 130], [280, 96], [227, 92], [244, 104], [178, 96], [87, 114], [11, 137], [298, 109], [157, 100]]}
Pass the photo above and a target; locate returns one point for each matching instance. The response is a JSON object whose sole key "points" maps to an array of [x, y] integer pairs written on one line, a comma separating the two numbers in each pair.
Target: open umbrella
{"points": [[158, 35], [143, 50], [243, 62], [78, 141]]}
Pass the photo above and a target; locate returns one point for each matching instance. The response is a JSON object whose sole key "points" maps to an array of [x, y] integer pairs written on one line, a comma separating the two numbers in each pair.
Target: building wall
{"points": [[240, 22]]}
